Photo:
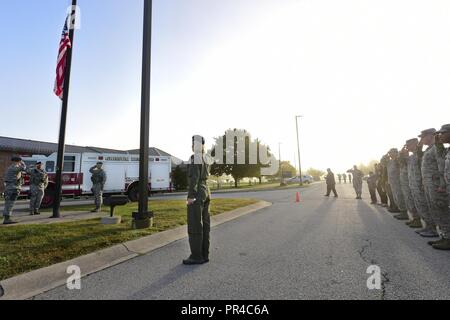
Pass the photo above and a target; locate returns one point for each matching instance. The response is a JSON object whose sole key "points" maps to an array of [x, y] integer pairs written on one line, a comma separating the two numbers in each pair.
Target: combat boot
{"points": [[429, 234], [8, 221], [432, 243], [402, 216], [37, 213], [416, 224], [96, 210], [444, 244], [426, 229]]}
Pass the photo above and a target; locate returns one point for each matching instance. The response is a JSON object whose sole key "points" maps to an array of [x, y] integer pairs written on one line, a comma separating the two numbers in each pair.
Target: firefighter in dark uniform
{"points": [[199, 198]]}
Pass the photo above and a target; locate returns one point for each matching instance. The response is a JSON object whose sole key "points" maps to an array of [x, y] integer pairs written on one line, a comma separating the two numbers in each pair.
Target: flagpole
{"points": [[143, 218], [62, 129]]}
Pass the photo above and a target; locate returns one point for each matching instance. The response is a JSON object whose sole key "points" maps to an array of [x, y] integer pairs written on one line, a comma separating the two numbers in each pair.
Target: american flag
{"points": [[64, 45]]}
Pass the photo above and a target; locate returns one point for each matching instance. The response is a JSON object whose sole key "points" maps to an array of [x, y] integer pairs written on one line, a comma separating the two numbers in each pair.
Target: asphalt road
{"points": [[318, 249]]}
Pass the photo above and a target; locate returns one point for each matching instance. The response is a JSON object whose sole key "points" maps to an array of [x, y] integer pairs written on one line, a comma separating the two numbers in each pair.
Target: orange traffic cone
{"points": [[298, 197]]}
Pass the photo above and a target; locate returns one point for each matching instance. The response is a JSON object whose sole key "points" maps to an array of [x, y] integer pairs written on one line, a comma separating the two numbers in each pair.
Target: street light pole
{"points": [[298, 146], [281, 166], [143, 218]]}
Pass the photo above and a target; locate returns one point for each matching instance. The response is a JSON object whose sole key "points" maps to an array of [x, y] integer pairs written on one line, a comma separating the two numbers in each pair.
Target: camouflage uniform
{"points": [[385, 181], [433, 179], [447, 170], [38, 184], [406, 190], [381, 185], [372, 183], [447, 175], [199, 224], [443, 194], [358, 176], [13, 185], [393, 167], [417, 189], [98, 184]]}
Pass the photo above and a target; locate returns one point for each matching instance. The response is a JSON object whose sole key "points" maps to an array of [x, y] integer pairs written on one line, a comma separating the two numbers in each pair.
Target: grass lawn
{"points": [[29, 247], [257, 187]]}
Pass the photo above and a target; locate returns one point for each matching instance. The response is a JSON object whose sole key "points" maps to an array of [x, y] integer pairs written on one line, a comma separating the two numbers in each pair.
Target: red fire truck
{"points": [[122, 170]]}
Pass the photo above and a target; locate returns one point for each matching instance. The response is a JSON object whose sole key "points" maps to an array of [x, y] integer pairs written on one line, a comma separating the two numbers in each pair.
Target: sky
{"points": [[365, 75]]}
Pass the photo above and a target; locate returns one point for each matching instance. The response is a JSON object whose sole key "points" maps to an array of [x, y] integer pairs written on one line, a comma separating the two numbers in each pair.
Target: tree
{"points": [[287, 169], [367, 168], [316, 173], [239, 151], [179, 178]]}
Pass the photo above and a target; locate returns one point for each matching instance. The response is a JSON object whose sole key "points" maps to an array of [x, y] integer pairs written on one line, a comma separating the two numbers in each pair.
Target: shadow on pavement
{"points": [[171, 277]]}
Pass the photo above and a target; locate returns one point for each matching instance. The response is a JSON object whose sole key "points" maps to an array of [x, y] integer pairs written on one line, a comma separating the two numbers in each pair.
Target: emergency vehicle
{"points": [[122, 171]]}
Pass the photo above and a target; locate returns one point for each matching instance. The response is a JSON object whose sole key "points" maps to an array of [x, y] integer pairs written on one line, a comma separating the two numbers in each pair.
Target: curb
{"points": [[36, 282], [218, 192]]}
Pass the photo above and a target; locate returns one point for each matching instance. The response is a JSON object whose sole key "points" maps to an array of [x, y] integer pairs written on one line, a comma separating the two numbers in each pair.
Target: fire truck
{"points": [[122, 170]]}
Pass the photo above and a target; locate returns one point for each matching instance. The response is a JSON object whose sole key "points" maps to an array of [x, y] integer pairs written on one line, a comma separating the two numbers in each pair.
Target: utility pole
{"points": [[281, 166], [295, 163], [65, 103], [143, 218], [298, 146]]}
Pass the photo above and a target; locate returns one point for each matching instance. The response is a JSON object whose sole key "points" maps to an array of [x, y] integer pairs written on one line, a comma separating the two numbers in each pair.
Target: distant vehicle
{"points": [[307, 179]]}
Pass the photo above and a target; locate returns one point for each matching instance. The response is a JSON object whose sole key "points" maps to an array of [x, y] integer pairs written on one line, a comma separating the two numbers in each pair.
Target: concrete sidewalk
{"points": [[46, 218]]}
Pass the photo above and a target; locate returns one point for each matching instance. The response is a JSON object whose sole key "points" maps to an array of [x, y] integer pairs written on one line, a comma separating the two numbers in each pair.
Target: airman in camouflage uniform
{"points": [[393, 167], [443, 157], [385, 181], [358, 176], [98, 179], [416, 185], [380, 185], [38, 184], [431, 177], [415, 221], [13, 185], [199, 198]]}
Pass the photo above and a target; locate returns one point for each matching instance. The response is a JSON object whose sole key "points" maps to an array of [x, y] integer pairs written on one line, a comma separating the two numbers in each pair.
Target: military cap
{"points": [[393, 150], [38, 163], [427, 132], [444, 129], [412, 141], [198, 139], [100, 163], [16, 159]]}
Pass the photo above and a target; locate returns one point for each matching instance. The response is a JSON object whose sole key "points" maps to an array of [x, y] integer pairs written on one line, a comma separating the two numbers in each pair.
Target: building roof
{"points": [[45, 148], [21, 146], [153, 152]]}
